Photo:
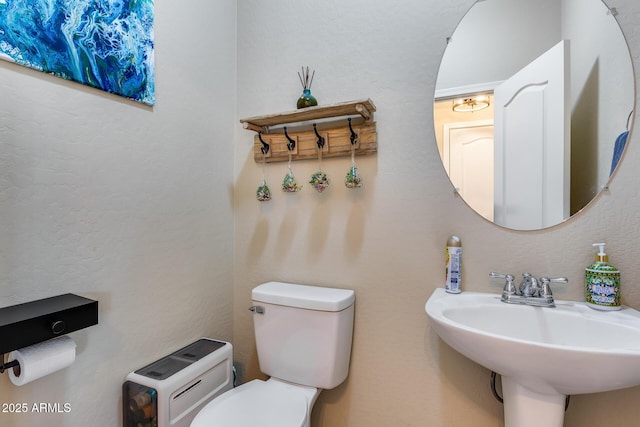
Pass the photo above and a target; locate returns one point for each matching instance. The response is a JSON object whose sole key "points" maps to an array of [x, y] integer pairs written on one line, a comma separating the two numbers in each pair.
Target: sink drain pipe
{"points": [[501, 400], [493, 388]]}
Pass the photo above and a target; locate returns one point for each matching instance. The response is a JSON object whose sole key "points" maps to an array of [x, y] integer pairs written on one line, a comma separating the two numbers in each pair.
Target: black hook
{"points": [[265, 146], [291, 145], [320, 141], [353, 136]]}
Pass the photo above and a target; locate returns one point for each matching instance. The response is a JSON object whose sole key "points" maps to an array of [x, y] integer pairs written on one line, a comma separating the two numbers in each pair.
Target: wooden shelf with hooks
{"points": [[334, 123]]}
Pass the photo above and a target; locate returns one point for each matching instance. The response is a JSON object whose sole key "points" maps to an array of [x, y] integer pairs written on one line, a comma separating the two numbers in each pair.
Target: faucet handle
{"points": [[556, 280], [509, 287], [545, 289], [494, 275]]}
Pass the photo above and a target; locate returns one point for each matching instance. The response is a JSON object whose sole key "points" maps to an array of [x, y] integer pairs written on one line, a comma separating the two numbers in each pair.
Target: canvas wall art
{"points": [[106, 44]]}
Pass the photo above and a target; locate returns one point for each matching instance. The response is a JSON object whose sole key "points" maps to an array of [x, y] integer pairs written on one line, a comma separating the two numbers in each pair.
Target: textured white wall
{"points": [[387, 239], [132, 206], [125, 204]]}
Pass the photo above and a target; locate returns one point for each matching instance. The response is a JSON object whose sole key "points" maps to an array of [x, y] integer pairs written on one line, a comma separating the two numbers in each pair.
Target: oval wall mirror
{"points": [[533, 105]]}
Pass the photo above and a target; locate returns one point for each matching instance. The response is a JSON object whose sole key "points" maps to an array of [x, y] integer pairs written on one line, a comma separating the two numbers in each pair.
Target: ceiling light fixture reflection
{"points": [[471, 104]]}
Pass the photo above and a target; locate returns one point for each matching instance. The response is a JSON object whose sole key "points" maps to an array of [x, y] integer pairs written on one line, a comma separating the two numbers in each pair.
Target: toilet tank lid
{"points": [[304, 296]]}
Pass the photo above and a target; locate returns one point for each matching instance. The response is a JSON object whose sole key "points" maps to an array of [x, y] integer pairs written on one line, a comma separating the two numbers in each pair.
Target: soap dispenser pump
{"points": [[602, 282]]}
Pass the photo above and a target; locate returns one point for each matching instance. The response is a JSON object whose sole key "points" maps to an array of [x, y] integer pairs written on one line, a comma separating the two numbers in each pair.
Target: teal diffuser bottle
{"points": [[602, 283], [306, 100]]}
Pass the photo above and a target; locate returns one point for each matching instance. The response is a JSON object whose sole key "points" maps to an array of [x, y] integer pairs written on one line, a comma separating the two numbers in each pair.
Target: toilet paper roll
{"points": [[42, 359]]}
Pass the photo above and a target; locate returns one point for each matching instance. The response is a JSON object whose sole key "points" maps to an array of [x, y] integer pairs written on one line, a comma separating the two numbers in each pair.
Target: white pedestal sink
{"points": [[542, 354]]}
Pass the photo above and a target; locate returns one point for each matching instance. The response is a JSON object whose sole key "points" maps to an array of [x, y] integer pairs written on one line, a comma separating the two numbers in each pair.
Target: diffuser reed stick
{"points": [[304, 78]]}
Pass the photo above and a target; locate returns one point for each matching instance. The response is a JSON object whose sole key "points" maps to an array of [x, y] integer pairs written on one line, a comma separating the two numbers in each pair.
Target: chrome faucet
{"points": [[529, 286], [530, 292]]}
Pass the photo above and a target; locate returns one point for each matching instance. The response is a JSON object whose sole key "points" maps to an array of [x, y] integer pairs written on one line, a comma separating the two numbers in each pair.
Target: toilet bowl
{"points": [[303, 340]]}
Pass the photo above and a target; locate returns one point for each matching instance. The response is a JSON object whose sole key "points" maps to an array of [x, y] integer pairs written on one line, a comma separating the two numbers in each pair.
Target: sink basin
{"points": [[542, 354]]}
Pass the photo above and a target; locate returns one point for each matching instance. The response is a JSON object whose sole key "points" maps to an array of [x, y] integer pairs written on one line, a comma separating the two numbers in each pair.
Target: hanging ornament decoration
{"points": [[319, 180], [289, 184], [263, 194], [353, 178]]}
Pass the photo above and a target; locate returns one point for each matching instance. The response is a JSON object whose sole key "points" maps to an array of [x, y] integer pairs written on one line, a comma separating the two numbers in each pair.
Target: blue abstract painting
{"points": [[107, 44]]}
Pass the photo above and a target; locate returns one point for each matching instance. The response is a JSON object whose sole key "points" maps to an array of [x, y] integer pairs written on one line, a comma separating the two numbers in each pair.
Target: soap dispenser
{"points": [[602, 282]]}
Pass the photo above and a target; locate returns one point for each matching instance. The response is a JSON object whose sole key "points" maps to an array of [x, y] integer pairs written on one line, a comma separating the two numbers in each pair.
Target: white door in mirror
{"points": [[532, 171]]}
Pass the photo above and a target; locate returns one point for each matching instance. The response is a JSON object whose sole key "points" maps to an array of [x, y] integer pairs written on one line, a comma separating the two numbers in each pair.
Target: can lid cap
{"points": [[454, 241]]}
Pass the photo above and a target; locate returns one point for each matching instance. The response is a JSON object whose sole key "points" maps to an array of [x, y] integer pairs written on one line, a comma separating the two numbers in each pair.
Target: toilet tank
{"points": [[303, 333]]}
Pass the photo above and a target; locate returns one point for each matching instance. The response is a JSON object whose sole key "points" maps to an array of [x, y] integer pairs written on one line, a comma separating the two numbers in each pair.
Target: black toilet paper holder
{"points": [[8, 365], [34, 322]]}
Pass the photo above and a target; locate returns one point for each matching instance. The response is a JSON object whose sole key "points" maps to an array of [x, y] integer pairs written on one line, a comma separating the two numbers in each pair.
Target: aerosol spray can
{"points": [[453, 274]]}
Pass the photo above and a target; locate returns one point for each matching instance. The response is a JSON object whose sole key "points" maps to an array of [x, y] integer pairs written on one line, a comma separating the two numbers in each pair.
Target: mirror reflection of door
{"points": [[523, 184], [468, 158], [532, 143]]}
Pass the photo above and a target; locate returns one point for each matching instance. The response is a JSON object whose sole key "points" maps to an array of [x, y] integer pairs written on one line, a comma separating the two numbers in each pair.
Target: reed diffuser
{"points": [[306, 99]]}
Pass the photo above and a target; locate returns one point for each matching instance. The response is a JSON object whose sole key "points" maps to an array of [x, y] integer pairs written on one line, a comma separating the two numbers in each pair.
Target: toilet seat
{"points": [[265, 403]]}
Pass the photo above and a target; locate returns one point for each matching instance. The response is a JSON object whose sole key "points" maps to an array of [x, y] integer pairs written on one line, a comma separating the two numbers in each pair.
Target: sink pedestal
{"points": [[526, 408]]}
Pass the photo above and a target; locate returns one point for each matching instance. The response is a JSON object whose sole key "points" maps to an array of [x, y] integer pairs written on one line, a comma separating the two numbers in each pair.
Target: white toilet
{"points": [[303, 339]]}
